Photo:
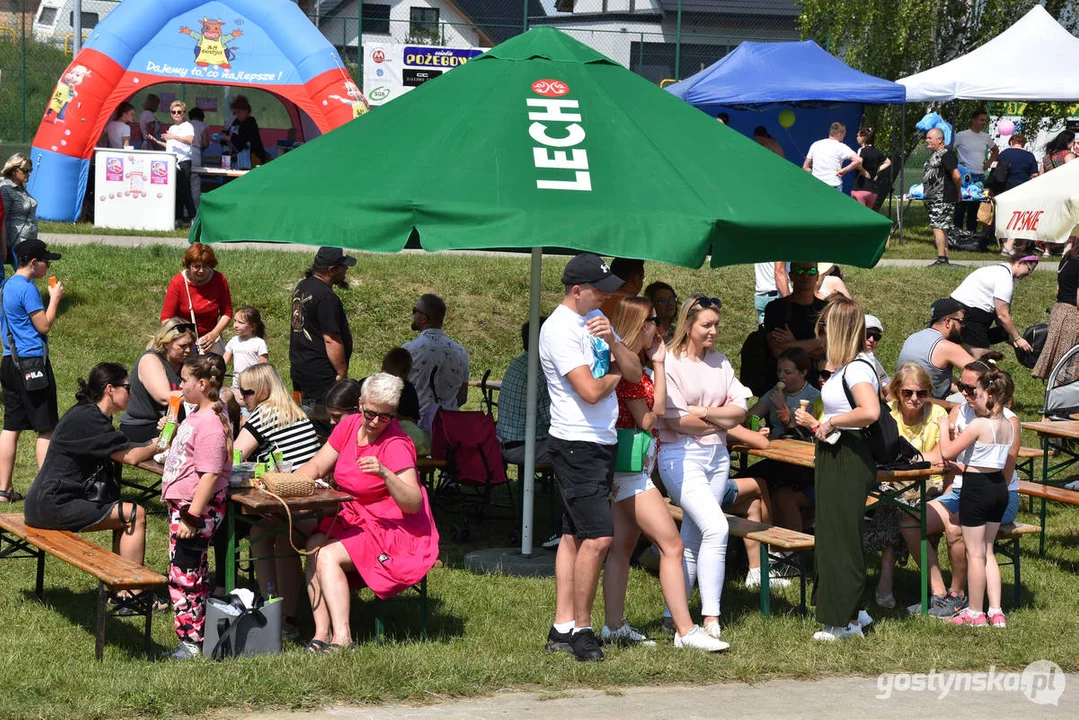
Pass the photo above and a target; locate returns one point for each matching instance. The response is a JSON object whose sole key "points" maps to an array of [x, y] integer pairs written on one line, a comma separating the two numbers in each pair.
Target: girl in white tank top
{"points": [[983, 447]]}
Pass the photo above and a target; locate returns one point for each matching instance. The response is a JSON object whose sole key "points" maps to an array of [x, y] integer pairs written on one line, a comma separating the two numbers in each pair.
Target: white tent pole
{"points": [[528, 482]]}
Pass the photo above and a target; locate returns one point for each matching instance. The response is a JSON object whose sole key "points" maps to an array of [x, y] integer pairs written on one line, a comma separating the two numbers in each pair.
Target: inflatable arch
{"points": [[266, 44]]}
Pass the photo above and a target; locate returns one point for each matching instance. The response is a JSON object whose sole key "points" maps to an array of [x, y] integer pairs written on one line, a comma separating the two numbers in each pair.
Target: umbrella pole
{"points": [[528, 482], [902, 167]]}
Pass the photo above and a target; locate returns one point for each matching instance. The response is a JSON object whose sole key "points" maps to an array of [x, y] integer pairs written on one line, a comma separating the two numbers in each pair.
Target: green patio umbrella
{"points": [[542, 144]]}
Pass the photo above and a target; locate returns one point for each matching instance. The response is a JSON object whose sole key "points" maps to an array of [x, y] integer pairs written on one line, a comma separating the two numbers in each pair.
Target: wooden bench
{"points": [[1049, 492], [113, 572], [1007, 544], [768, 536]]}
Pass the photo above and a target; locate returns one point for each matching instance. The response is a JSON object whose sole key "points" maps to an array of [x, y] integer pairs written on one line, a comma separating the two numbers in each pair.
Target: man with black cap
{"points": [[582, 360], [937, 348], [25, 371], [320, 343]]}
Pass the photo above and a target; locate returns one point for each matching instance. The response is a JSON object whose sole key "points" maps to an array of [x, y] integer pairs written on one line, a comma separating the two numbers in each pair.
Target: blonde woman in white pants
{"points": [[704, 399]]}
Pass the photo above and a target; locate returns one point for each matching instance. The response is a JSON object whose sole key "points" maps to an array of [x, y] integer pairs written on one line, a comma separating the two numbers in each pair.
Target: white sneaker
{"points": [[698, 639], [624, 635], [864, 620], [551, 542], [1073, 485], [833, 632], [753, 580], [713, 629], [186, 651]]}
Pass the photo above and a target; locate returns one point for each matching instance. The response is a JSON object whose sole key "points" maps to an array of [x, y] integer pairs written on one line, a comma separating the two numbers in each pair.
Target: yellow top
{"points": [[924, 436]]}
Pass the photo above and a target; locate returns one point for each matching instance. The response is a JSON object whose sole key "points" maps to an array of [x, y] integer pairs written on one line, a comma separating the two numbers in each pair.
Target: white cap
{"points": [[872, 321]]}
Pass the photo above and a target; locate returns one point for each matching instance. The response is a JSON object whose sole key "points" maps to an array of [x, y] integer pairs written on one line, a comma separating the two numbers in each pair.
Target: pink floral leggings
{"points": [[189, 571]]}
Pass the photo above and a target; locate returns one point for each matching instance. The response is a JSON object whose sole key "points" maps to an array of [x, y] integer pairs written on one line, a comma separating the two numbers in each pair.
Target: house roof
{"points": [[778, 8]]}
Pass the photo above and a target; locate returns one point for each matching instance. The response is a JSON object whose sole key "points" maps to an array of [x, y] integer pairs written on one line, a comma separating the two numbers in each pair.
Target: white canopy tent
{"points": [[1045, 208], [1033, 60]]}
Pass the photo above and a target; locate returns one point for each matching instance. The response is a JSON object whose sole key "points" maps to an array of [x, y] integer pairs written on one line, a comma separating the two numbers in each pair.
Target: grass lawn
{"points": [[486, 632]]}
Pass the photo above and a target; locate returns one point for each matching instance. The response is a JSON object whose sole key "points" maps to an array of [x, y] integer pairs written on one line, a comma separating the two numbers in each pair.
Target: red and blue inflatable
{"points": [[267, 44]]}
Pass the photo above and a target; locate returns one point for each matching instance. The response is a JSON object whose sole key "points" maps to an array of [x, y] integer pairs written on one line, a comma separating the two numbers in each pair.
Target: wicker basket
{"points": [[287, 484]]}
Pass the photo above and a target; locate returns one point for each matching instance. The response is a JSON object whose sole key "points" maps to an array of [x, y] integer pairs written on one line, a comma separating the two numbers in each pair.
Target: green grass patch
{"points": [[486, 632]]}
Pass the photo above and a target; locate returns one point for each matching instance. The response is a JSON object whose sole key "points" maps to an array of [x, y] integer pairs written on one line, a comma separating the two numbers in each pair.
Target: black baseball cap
{"points": [[589, 269], [943, 308], [332, 257], [34, 250]]}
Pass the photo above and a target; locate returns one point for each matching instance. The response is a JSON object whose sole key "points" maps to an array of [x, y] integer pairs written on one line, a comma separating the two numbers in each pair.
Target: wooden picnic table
{"points": [[1047, 432], [802, 454], [258, 509]]}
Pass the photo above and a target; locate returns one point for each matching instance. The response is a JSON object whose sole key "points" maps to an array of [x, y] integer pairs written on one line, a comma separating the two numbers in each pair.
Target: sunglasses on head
{"points": [[965, 389], [382, 417], [907, 393], [810, 271], [708, 302], [873, 336]]}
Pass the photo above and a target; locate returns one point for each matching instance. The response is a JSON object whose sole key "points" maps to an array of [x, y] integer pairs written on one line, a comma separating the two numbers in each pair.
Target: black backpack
{"points": [[757, 368], [997, 177], [890, 449]]}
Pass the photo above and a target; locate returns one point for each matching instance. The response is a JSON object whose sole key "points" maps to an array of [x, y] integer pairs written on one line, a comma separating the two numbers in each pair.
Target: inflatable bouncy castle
{"points": [[265, 44]]}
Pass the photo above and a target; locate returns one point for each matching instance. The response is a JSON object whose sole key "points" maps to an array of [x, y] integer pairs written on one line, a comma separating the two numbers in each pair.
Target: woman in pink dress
{"points": [[385, 537]]}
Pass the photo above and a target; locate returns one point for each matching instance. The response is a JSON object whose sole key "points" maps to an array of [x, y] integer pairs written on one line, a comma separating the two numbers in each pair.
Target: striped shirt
{"points": [[298, 442]]}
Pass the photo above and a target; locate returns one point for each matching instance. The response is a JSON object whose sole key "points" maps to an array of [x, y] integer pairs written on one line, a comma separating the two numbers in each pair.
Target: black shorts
{"points": [[984, 498], [25, 410], [979, 330], [585, 471]]}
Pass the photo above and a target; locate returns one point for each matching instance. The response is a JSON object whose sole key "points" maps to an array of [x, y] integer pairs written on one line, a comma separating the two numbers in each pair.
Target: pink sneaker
{"points": [[997, 620], [967, 617]]}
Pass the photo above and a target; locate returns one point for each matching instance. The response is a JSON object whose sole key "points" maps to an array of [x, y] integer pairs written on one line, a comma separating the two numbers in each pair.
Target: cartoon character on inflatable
{"points": [[210, 47], [354, 98], [65, 93], [934, 120]]}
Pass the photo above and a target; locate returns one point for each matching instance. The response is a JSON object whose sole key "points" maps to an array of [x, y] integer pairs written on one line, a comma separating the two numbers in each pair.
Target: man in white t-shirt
{"points": [[771, 281], [583, 361], [826, 157], [976, 151]]}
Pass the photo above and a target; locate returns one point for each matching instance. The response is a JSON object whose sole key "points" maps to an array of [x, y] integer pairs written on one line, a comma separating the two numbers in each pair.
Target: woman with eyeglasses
{"points": [[916, 418], [943, 517], [85, 444], [704, 400], [155, 379], [276, 424], [844, 470], [200, 293], [20, 207], [179, 140], [665, 301], [385, 537], [986, 295]]}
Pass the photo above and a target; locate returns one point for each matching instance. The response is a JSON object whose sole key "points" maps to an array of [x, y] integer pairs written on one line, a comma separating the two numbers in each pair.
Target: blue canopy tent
{"points": [[759, 80]]}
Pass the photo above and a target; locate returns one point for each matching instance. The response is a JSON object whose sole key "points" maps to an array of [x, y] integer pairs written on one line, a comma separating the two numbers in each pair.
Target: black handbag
{"points": [[32, 369], [1036, 335], [102, 486]]}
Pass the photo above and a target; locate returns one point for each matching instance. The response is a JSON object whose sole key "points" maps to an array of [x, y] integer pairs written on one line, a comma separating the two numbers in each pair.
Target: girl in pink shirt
{"points": [[193, 487], [704, 399]]}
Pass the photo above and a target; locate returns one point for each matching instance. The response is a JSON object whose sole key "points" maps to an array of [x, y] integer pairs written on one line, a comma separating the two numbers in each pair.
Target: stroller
{"points": [[467, 441], [1062, 387]]}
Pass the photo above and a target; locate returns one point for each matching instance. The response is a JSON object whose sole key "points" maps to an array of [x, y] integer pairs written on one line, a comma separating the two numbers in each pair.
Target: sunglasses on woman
{"points": [[908, 394], [708, 302], [247, 392], [824, 374], [965, 389], [873, 336], [383, 418], [653, 319]]}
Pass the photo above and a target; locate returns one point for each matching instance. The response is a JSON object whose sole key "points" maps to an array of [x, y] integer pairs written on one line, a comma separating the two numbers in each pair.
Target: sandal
{"points": [[316, 647], [11, 496], [333, 647]]}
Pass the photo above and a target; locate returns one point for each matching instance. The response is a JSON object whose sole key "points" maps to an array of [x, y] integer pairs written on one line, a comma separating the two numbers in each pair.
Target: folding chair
{"points": [[467, 441]]}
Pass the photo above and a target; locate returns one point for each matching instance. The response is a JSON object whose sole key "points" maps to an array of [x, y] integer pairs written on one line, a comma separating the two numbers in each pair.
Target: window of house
{"points": [[89, 19], [423, 24], [565, 6], [376, 19], [47, 16]]}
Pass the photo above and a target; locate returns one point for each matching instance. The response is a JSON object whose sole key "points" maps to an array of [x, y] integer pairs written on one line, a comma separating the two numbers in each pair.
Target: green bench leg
{"points": [[380, 613], [99, 643], [766, 583]]}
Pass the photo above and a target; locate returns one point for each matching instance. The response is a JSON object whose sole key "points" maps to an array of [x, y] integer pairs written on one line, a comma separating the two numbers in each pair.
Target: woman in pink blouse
{"points": [[385, 537], [704, 399]]}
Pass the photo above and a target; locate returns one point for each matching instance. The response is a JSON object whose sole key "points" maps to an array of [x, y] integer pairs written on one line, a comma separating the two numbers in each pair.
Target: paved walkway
{"points": [[134, 241], [823, 699]]}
